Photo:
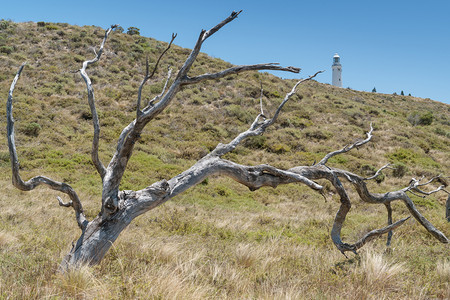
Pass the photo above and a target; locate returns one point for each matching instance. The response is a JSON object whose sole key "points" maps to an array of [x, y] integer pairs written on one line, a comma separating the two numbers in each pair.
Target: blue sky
{"points": [[391, 45]]}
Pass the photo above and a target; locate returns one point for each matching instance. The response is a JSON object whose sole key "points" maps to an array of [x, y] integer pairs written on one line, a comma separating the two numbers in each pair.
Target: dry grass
{"points": [[378, 278], [276, 255]]}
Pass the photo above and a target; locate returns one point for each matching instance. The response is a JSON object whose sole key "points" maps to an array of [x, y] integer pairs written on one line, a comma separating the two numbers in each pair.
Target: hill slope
{"points": [[218, 239]]}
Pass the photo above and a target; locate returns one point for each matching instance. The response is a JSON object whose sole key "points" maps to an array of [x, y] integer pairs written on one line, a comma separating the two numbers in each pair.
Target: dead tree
{"points": [[119, 208]]}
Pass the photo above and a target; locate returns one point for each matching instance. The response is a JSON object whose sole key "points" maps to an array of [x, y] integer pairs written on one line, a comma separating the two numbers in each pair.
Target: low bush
{"points": [[32, 129], [6, 49], [421, 119]]}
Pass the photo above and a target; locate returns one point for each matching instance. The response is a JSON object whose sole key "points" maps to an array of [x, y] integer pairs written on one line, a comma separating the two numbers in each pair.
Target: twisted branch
{"points": [[29, 185]]}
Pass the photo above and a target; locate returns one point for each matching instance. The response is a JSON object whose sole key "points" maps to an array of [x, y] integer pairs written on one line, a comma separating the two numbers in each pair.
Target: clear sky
{"points": [[391, 45]]}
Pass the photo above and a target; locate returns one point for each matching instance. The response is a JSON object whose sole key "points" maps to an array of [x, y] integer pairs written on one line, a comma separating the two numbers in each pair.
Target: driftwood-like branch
{"points": [[447, 208], [254, 177], [347, 148], [415, 183], [320, 171], [37, 180], [238, 69], [91, 100], [389, 211]]}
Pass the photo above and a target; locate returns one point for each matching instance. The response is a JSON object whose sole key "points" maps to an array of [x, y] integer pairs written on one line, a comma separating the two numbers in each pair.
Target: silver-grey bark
{"points": [[119, 208]]}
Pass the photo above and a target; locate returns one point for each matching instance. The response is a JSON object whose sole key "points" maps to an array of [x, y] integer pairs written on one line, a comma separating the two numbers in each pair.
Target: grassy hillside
{"points": [[218, 240]]}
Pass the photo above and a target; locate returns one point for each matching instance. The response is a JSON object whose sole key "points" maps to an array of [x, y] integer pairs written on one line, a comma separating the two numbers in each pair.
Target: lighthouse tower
{"points": [[337, 71]]}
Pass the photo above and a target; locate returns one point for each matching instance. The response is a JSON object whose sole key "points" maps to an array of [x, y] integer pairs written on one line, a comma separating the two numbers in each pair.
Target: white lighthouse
{"points": [[337, 71]]}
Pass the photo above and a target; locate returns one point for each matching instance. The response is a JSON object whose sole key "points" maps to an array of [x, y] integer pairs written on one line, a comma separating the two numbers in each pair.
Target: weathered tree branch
{"points": [[158, 97], [236, 70], [389, 211], [37, 180], [91, 100], [347, 148], [378, 172], [320, 171], [258, 128], [415, 183], [148, 76], [447, 208]]}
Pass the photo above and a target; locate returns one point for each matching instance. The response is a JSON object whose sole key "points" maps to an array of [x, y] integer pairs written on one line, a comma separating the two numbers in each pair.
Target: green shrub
{"points": [[216, 131], [440, 131], [399, 170], [41, 24], [222, 190], [4, 24], [256, 142], [241, 114], [279, 148], [421, 119], [133, 31], [6, 49], [408, 156], [317, 134], [114, 69], [427, 118], [32, 129], [137, 48], [51, 27], [78, 58]]}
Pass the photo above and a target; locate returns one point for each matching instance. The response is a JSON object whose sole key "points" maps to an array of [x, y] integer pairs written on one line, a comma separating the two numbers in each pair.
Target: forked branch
{"points": [[91, 100], [148, 76], [257, 127]]}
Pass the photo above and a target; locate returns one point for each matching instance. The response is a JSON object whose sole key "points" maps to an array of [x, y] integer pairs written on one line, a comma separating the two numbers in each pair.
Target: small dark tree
{"points": [[133, 31], [401, 93], [374, 90]]}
